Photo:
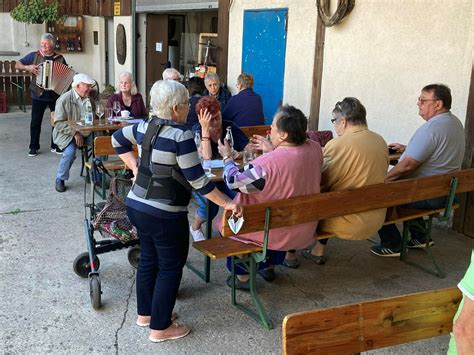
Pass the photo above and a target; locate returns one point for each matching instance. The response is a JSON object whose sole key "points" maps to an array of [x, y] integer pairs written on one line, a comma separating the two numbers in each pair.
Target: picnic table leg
{"points": [[260, 314], [424, 226], [205, 275]]}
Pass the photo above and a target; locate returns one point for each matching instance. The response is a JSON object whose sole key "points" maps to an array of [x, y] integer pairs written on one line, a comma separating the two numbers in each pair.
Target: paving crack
{"points": [[307, 295], [124, 318]]}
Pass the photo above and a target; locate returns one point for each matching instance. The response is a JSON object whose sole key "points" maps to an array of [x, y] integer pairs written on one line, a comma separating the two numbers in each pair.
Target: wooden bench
{"points": [[103, 148], [371, 325], [274, 214]]}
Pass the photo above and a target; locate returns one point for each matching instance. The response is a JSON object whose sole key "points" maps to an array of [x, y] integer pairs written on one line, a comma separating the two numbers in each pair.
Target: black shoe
{"points": [[414, 243], [267, 274], [240, 285], [33, 152], [60, 186]]}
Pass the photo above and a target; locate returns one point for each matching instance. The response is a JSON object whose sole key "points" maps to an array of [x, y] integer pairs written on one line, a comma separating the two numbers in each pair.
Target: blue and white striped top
{"points": [[174, 146]]}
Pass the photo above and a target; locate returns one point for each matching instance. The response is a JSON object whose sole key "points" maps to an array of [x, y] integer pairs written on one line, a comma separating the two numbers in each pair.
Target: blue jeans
{"points": [[213, 208], [164, 249], [390, 236], [274, 257], [68, 157]]}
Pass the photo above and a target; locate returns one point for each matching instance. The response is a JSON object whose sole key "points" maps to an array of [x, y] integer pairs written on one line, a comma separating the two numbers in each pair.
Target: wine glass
{"points": [[116, 108], [99, 110]]}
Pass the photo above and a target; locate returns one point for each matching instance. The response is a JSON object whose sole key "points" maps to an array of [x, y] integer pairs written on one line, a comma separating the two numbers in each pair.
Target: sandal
{"points": [[318, 259]]}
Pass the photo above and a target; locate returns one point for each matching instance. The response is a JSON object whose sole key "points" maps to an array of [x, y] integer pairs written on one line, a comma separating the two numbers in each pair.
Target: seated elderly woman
{"points": [[157, 204], [358, 157], [291, 169], [245, 108], [215, 89], [128, 97], [212, 129]]}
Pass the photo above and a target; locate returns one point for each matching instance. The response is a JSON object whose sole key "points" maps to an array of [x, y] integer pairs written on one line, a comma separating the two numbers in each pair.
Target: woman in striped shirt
{"points": [[159, 216]]}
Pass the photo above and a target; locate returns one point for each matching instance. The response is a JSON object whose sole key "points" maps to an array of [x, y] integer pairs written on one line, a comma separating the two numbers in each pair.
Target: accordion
{"points": [[54, 76]]}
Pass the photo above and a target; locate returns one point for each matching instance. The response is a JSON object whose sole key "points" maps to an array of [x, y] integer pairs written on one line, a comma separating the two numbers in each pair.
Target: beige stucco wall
{"points": [[302, 18], [126, 21], [90, 61], [383, 53], [386, 51]]}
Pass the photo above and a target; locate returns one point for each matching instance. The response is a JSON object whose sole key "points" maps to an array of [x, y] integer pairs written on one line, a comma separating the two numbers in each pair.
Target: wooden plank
{"points": [[218, 248], [223, 39], [304, 209], [249, 131], [371, 325]]}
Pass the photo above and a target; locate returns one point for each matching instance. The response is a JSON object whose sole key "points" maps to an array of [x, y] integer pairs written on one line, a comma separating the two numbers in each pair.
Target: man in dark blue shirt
{"points": [[245, 108], [41, 99]]}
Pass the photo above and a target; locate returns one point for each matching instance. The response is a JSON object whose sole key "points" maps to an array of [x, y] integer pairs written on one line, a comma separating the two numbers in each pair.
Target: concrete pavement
{"points": [[45, 307]]}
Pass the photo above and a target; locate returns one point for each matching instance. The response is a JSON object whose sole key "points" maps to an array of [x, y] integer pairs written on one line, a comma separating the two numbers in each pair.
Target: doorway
{"points": [[263, 55]]}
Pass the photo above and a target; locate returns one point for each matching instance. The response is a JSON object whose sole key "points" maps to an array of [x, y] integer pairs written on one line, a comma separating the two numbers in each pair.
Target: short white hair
{"points": [[171, 74], [48, 37], [212, 77], [128, 75], [164, 95]]}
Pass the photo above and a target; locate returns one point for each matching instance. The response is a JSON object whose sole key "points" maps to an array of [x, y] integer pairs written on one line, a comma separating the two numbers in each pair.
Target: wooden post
{"points": [[464, 216], [313, 122], [223, 39]]}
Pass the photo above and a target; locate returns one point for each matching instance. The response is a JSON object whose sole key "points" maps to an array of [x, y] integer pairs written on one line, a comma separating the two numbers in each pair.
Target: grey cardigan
{"points": [[68, 107]]}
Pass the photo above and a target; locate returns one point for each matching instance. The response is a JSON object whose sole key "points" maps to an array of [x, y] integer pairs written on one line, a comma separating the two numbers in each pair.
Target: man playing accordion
{"points": [[41, 99]]}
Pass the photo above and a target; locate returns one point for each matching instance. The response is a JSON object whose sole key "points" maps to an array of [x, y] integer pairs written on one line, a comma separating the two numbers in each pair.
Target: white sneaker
{"points": [[197, 234]]}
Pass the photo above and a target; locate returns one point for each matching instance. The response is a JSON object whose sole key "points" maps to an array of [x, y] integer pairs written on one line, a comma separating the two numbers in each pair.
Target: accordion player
{"points": [[54, 76]]}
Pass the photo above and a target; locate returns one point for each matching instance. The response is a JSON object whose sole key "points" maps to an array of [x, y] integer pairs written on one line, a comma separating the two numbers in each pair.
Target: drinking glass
{"points": [[248, 155], [99, 110], [109, 113], [116, 107]]}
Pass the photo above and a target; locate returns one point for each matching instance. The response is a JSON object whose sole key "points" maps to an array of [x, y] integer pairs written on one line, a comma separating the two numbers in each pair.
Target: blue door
{"points": [[263, 55]]}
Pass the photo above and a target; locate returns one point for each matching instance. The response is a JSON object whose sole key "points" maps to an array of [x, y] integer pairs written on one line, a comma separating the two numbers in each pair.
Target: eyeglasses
{"points": [[333, 120], [422, 101]]}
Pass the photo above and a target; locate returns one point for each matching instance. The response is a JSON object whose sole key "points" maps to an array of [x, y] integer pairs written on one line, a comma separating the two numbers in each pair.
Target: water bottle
{"points": [[197, 140], [88, 115], [229, 138]]}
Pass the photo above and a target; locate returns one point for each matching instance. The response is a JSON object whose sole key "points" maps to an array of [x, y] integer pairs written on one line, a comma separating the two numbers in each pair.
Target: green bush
{"points": [[36, 11]]}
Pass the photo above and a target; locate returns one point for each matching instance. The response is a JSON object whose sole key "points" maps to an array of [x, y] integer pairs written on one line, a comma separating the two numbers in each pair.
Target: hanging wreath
{"points": [[344, 7]]}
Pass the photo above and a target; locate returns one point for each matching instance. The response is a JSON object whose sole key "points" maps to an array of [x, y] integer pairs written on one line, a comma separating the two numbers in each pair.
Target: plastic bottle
{"points": [[88, 115]]}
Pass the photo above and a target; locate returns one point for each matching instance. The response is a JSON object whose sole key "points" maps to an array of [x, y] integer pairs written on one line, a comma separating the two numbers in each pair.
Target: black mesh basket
{"points": [[113, 221]]}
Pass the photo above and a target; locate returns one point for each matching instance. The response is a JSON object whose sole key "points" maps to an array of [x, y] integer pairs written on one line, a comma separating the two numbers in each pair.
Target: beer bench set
{"points": [[274, 214]]}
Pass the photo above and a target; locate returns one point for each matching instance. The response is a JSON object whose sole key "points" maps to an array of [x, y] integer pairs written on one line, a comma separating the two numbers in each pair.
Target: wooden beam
{"points": [[318, 64], [223, 39], [464, 216]]}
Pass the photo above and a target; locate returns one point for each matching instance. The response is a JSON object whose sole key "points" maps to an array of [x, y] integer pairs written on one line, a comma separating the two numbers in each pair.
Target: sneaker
{"points": [[33, 152], [240, 285], [380, 250], [267, 274], [197, 234], [59, 186], [174, 331], [56, 150], [414, 243], [318, 259], [292, 264]]}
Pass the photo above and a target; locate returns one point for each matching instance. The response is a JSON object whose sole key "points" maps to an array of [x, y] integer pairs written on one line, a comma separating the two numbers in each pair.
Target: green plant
{"points": [[36, 11]]}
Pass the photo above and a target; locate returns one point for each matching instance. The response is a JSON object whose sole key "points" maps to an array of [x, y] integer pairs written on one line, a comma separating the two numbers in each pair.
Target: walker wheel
{"points": [[134, 256], [95, 291], [82, 265]]}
